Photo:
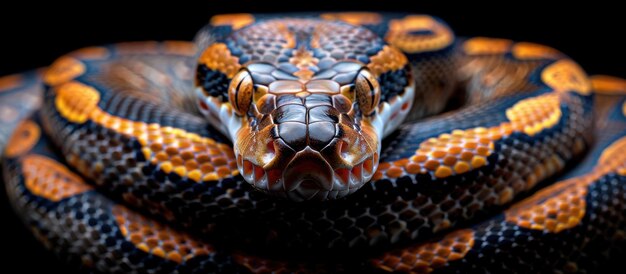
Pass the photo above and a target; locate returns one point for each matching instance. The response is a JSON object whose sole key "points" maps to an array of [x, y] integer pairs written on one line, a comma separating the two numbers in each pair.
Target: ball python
{"points": [[315, 143]]}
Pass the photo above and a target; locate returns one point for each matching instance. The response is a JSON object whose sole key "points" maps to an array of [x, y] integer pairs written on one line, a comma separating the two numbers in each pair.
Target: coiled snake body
{"points": [[127, 164]]}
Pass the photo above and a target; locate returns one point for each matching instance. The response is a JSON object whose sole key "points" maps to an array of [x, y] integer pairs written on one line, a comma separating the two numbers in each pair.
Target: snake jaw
{"points": [[308, 174]]}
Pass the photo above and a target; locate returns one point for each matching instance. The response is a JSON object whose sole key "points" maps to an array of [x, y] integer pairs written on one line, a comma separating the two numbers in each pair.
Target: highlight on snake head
{"points": [[306, 123]]}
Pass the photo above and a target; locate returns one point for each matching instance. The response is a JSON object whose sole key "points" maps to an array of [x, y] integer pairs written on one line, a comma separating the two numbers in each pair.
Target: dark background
{"points": [[33, 35]]}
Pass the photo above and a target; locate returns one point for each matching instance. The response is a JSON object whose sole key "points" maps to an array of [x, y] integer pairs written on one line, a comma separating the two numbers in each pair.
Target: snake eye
{"points": [[367, 91], [240, 92]]}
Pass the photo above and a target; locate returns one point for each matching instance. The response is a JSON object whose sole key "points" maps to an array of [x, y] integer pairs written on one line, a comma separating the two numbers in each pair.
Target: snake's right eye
{"points": [[367, 90], [240, 92]]}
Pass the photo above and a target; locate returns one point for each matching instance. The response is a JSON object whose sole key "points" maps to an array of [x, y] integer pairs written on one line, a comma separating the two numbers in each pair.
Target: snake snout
{"points": [[303, 171]]}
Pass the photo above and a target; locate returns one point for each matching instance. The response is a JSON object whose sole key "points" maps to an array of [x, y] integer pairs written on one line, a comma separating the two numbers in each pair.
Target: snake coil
{"points": [[307, 143]]}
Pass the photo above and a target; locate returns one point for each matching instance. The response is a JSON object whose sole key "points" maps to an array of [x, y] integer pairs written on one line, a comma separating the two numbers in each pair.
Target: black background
{"points": [[32, 35]]}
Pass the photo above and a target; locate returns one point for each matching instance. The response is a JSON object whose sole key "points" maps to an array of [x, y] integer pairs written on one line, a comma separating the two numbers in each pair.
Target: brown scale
{"points": [[148, 79], [49, 179], [496, 76], [425, 258], [172, 149], [157, 239], [494, 79], [24, 138], [314, 111], [270, 40], [217, 57], [562, 206], [399, 34], [553, 210], [388, 59], [274, 42], [563, 75], [463, 150]]}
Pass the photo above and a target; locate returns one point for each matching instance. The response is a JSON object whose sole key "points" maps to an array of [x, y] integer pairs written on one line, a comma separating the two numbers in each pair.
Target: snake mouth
{"points": [[309, 176]]}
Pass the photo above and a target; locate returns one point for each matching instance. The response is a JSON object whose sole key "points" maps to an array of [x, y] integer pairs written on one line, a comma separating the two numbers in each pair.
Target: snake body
{"points": [[168, 156]]}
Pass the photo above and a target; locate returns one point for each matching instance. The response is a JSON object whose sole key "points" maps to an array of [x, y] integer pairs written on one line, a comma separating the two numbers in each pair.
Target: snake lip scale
{"points": [[319, 142]]}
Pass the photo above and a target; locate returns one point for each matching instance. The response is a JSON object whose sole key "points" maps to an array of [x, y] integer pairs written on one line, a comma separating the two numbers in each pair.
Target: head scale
{"points": [[302, 101]]}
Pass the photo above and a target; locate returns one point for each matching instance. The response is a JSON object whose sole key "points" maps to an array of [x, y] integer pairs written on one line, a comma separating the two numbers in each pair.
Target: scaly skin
{"points": [[124, 118]]}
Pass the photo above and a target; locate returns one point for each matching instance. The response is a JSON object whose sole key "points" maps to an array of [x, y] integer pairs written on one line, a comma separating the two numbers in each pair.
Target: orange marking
{"points": [[565, 76], [464, 150], [525, 50], [157, 239], [76, 102], [235, 20], [173, 149], [533, 115], [354, 18], [604, 84], [50, 179], [91, 53], [394, 172], [10, 82], [436, 35], [486, 46], [63, 70], [302, 59], [217, 57], [425, 258], [388, 59], [562, 205], [24, 139], [613, 153], [287, 34], [180, 48]]}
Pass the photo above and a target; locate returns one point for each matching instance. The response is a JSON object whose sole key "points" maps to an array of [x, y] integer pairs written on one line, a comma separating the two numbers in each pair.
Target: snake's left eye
{"points": [[240, 92], [367, 91]]}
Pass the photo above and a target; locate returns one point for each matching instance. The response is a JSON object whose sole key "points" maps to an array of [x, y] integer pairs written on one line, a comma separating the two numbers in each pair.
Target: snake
{"points": [[319, 142]]}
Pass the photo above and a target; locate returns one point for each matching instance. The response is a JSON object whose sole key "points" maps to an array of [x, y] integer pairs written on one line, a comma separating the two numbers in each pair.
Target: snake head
{"points": [[301, 101], [313, 139]]}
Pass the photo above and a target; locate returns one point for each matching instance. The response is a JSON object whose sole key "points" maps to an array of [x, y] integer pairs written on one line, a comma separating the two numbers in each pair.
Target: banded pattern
{"points": [[143, 183]]}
